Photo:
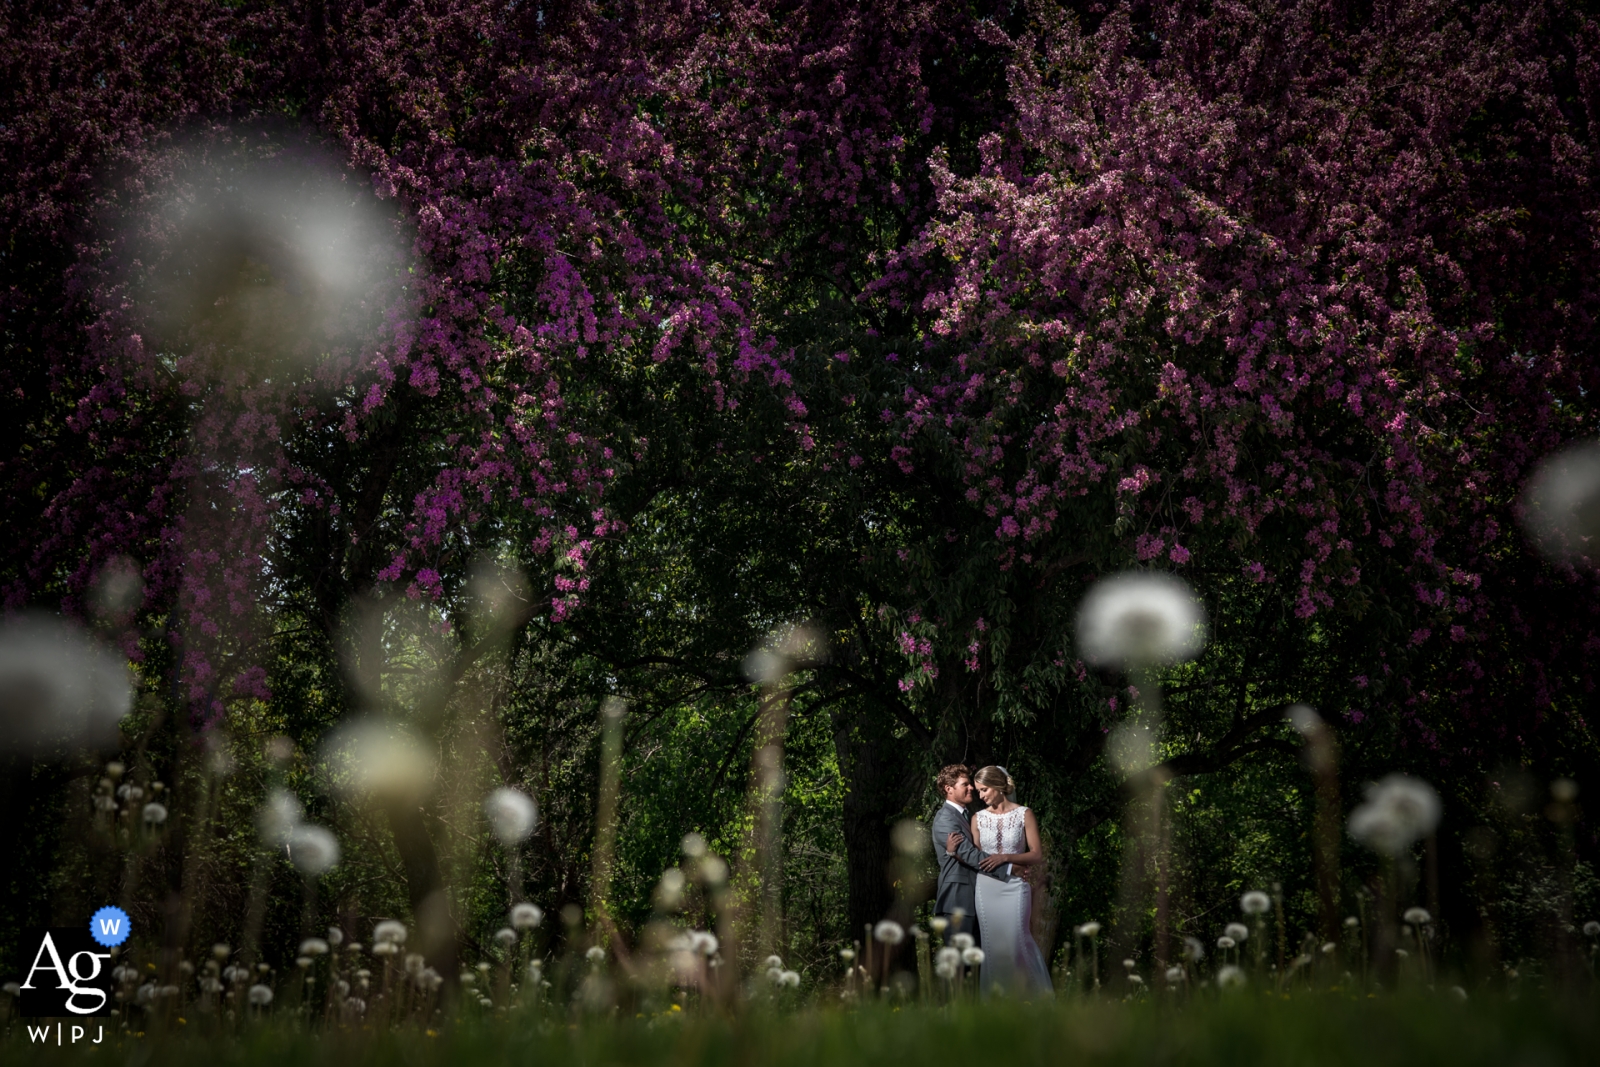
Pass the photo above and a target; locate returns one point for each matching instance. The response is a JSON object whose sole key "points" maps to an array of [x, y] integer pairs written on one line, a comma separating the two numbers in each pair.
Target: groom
{"points": [[958, 868]]}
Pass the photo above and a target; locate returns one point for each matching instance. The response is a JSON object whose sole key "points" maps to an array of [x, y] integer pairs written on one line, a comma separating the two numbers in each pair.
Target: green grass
{"points": [[1238, 1030]]}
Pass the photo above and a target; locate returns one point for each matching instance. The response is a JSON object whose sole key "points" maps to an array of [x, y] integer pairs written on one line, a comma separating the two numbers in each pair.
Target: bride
{"points": [[1010, 834]]}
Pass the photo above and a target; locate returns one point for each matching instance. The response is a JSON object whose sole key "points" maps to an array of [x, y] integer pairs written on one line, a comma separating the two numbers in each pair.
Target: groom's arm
{"points": [[967, 853]]}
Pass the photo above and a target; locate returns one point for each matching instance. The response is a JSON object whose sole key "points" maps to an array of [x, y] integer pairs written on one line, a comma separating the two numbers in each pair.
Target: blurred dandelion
{"points": [[1591, 928], [313, 946], [335, 936], [939, 924], [1397, 812], [313, 849], [889, 932], [1417, 916], [1230, 977], [962, 941], [378, 759], [1089, 929], [154, 814], [260, 996], [512, 815], [1238, 931], [1226, 942], [847, 954], [1140, 618], [58, 687], [389, 931], [1174, 975], [1193, 950], [525, 916], [1255, 902], [972, 956], [596, 954], [1560, 504], [505, 937]]}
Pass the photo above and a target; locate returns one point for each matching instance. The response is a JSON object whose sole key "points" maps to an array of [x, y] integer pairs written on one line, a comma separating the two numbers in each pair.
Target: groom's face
{"points": [[961, 792]]}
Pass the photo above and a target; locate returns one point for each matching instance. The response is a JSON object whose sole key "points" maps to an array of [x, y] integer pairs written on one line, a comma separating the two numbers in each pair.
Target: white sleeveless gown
{"points": [[1012, 962]]}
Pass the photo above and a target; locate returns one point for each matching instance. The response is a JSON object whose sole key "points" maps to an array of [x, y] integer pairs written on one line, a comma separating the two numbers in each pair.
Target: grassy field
{"points": [[1237, 1030]]}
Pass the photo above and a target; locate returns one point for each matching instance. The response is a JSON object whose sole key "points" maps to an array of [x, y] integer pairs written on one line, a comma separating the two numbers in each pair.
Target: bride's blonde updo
{"points": [[996, 778]]}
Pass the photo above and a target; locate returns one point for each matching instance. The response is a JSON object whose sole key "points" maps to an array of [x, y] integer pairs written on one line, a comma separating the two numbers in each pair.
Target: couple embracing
{"points": [[982, 875]]}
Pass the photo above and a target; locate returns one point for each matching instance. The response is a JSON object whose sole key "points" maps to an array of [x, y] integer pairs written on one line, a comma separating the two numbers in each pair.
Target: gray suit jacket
{"points": [[958, 873]]}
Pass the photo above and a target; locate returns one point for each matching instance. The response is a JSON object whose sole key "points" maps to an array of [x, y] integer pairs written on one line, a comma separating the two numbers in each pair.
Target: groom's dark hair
{"points": [[952, 774]]}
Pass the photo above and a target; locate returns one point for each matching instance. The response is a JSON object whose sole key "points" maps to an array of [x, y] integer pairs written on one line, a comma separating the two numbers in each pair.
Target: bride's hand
{"points": [[991, 862]]}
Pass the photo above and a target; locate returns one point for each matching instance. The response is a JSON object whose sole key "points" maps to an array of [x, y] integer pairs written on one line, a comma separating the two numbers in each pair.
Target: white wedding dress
{"points": [[1012, 962]]}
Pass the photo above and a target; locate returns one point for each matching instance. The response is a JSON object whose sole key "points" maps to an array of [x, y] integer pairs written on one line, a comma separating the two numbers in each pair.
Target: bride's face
{"points": [[990, 796]]}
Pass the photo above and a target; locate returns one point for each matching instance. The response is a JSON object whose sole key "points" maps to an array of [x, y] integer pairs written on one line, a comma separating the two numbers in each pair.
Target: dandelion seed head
{"points": [[313, 849], [1128, 965], [972, 956], [1351, 922], [335, 936], [525, 916], [1134, 979], [278, 817], [1140, 617], [774, 963], [1089, 929], [1238, 931], [938, 924], [945, 970], [505, 937], [1591, 928], [388, 932], [260, 995], [1175, 975], [1417, 916], [302, 962], [1193, 950], [962, 941], [693, 845], [1560, 504], [847, 954], [1255, 902], [1226, 942], [889, 932], [596, 954], [1397, 812], [1231, 977], [59, 688], [512, 815], [313, 946], [791, 979]]}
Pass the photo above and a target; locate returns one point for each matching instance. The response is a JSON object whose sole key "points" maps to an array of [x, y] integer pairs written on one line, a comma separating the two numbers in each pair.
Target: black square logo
{"points": [[67, 974]]}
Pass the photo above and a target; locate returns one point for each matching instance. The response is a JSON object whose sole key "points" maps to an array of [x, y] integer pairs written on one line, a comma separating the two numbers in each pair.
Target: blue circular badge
{"points": [[110, 926]]}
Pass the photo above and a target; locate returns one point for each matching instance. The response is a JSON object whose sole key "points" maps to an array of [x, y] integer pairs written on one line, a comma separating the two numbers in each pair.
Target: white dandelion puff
{"points": [[1560, 505], [279, 816], [972, 956], [962, 941], [59, 687], [505, 937], [596, 954], [1090, 929], [1230, 977], [389, 931], [154, 814], [313, 849], [1226, 942], [1398, 811], [525, 916], [1140, 617], [260, 995], [1238, 931], [313, 946], [889, 932], [1255, 902], [1417, 916], [512, 815]]}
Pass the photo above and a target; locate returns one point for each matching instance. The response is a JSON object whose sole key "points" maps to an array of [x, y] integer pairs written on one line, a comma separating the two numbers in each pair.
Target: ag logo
{"points": [[70, 974]]}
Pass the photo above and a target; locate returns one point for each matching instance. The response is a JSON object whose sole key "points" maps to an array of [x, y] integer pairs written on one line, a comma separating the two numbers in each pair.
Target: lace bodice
{"points": [[1002, 833]]}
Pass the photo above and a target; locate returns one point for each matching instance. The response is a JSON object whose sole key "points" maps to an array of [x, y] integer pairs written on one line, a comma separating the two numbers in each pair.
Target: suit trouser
{"points": [[963, 924]]}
